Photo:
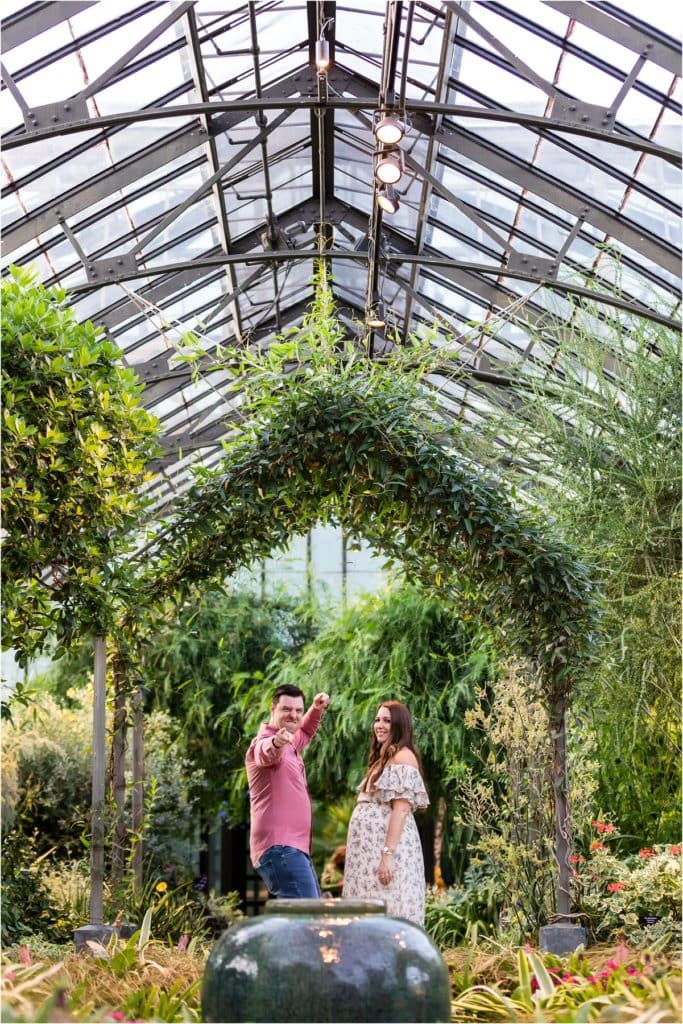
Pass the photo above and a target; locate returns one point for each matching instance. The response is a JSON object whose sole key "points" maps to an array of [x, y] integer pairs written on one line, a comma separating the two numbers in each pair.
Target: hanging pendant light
{"points": [[388, 165], [389, 128], [387, 199]]}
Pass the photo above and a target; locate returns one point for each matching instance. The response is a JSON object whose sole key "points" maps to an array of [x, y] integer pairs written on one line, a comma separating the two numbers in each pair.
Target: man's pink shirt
{"points": [[280, 803]]}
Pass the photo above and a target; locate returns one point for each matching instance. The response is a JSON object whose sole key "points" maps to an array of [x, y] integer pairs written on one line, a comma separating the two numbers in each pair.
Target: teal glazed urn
{"points": [[325, 960]]}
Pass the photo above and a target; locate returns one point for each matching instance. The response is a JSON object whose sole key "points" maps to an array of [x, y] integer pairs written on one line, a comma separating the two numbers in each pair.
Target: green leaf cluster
{"points": [[75, 443]]}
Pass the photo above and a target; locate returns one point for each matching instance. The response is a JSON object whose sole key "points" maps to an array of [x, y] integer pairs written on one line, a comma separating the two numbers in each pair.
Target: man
{"points": [[281, 817]]}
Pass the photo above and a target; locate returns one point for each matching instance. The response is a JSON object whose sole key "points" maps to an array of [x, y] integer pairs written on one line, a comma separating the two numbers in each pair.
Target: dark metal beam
{"points": [[131, 169], [618, 26], [451, 265], [561, 194], [240, 109], [35, 19]]}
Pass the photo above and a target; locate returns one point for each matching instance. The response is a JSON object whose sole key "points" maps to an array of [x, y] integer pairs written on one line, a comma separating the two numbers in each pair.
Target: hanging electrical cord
{"points": [[322, 61], [387, 96]]}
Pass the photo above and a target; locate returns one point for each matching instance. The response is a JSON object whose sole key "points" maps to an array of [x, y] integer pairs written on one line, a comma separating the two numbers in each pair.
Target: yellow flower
{"points": [[161, 887]]}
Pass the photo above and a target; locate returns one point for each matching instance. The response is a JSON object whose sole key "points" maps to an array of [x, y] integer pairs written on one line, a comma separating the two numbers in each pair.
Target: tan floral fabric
{"points": [[405, 894]]}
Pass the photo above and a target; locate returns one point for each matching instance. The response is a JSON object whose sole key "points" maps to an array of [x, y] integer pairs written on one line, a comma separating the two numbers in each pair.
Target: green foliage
{"points": [[68, 885], [568, 991], [175, 910], [207, 668], [172, 804], [75, 442], [508, 800], [466, 912], [133, 979], [26, 903], [606, 437], [616, 896], [50, 748]]}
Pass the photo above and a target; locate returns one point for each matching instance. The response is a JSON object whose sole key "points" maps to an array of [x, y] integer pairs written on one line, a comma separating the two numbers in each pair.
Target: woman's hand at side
{"points": [[385, 871]]}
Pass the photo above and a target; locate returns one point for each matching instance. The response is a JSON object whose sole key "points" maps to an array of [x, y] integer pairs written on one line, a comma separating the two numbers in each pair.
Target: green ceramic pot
{"points": [[325, 960]]}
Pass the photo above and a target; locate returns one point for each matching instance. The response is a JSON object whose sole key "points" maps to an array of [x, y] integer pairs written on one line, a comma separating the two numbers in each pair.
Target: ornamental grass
{"points": [[489, 982], [159, 983]]}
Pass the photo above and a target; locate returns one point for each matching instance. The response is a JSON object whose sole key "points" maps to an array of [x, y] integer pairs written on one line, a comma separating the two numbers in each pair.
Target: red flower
{"points": [[597, 845], [603, 827], [616, 886], [577, 860], [675, 851], [647, 852]]}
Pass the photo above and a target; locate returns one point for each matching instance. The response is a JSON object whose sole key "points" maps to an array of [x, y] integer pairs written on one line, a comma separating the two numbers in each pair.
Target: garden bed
{"points": [[489, 983]]}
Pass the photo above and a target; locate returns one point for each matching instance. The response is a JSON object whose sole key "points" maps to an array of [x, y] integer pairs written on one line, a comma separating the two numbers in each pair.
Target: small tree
{"points": [[75, 443]]}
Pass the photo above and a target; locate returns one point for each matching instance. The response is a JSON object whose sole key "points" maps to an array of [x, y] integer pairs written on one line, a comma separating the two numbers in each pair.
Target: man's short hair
{"points": [[287, 690]]}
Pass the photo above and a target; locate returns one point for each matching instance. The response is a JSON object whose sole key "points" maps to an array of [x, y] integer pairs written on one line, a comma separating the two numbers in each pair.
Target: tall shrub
{"points": [[604, 436], [508, 800], [75, 443]]}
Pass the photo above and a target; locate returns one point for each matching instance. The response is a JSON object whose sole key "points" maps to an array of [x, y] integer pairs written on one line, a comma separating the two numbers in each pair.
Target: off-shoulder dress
{"points": [[405, 894]]}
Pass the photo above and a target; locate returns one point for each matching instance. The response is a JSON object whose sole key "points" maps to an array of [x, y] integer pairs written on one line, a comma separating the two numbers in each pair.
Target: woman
{"points": [[383, 852]]}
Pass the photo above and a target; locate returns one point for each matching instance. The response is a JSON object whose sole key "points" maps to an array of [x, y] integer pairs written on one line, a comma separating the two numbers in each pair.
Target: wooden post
{"points": [[118, 768], [563, 837], [98, 768], [138, 794]]}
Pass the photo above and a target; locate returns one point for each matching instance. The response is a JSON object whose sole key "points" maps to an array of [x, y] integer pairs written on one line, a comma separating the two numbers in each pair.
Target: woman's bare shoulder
{"points": [[404, 756]]}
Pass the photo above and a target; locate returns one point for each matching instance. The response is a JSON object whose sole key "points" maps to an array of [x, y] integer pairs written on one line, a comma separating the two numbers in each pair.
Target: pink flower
{"points": [[621, 952], [674, 851], [616, 886], [577, 860], [25, 955], [183, 943], [647, 852], [117, 1015]]}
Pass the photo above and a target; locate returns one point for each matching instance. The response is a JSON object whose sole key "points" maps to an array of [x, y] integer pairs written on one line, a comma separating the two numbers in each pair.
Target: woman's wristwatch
{"points": [[387, 849]]}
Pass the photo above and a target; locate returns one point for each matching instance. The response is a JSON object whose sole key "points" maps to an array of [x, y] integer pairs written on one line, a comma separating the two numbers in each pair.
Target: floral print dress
{"points": [[405, 894]]}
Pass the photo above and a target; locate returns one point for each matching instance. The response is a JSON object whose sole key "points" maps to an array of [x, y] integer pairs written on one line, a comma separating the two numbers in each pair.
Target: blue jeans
{"points": [[289, 873]]}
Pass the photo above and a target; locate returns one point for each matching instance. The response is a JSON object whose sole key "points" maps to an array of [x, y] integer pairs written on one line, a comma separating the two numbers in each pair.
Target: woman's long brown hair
{"points": [[401, 737]]}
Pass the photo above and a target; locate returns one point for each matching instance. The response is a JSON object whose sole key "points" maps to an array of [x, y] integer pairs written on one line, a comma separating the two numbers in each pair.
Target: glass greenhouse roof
{"points": [[178, 166]]}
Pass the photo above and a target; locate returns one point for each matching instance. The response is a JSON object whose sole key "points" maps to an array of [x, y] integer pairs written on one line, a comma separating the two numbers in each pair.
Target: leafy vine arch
{"points": [[362, 448]]}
